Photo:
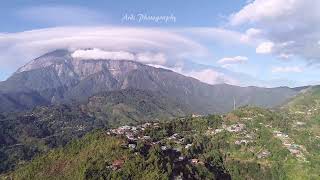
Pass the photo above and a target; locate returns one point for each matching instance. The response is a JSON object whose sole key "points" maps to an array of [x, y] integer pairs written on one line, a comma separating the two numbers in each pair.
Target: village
{"points": [[176, 143], [295, 149], [133, 134]]}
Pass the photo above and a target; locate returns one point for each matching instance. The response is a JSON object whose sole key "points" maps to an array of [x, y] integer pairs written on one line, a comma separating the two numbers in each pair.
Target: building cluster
{"points": [[309, 112], [132, 134], [232, 128], [295, 149], [135, 133]]}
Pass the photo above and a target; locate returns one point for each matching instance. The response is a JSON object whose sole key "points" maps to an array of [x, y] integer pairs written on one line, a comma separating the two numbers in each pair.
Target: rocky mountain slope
{"points": [[57, 77]]}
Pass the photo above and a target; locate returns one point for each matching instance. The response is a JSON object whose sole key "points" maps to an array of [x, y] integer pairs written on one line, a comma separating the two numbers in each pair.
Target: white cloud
{"points": [[251, 35], [222, 35], [285, 56], [288, 69], [151, 45], [283, 21], [265, 48], [262, 10], [211, 77], [100, 54], [233, 60], [153, 58], [208, 76]]}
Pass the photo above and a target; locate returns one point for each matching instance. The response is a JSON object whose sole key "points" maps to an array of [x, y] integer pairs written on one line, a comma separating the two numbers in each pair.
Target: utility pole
{"points": [[234, 103]]}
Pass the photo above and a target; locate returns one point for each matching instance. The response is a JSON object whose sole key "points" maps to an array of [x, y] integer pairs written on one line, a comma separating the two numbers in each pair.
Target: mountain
{"points": [[57, 77], [24, 135]]}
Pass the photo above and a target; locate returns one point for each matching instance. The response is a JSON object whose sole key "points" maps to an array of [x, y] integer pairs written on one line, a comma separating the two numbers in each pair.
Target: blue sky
{"points": [[270, 42], [188, 13]]}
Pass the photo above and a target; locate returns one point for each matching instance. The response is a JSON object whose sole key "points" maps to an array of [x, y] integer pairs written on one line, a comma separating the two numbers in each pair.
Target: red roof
{"points": [[118, 163]]}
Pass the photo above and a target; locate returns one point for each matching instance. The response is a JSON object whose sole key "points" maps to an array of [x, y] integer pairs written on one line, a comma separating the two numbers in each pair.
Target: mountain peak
{"points": [[57, 56]]}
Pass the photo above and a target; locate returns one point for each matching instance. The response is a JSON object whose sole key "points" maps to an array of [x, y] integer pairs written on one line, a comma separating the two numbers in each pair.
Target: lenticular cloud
{"points": [[146, 45]]}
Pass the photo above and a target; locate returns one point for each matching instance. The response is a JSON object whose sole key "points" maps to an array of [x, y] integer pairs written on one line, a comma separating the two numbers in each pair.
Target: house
{"points": [[218, 130], [130, 135], [188, 146], [156, 125], [249, 136], [163, 148], [181, 158], [125, 127], [117, 164], [301, 123], [294, 151], [179, 177], [236, 128], [299, 112], [196, 161], [294, 146], [287, 144], [145, 125], [174, 136], [132, 146], [156, 142], [246, 118], [264, 154], [196, 115], [242, 141]]}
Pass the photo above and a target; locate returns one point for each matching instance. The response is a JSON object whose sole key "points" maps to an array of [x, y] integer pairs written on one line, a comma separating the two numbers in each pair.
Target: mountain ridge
{"points": [[56, 78]]}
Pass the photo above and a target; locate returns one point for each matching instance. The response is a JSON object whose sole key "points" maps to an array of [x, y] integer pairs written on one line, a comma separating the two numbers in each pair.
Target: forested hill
{"points": [[26, 134], [248, 143]]}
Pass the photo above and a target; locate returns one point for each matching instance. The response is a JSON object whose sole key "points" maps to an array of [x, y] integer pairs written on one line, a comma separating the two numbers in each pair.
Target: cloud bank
{"points": [[289, 27]]}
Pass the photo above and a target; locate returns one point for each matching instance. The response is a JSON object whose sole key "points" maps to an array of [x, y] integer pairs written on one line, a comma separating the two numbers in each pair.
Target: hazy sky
{"points": [[276, 42]]}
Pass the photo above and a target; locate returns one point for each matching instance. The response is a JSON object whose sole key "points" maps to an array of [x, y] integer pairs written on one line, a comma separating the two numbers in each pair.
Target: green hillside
{"points": [[305, 110], [308, 98], [249, 143], [24, 135]]}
